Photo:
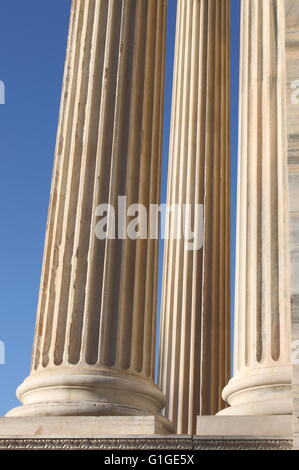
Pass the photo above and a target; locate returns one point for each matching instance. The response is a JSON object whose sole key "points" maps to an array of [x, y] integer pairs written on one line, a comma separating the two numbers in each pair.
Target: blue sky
{"points": [[32, 52]]}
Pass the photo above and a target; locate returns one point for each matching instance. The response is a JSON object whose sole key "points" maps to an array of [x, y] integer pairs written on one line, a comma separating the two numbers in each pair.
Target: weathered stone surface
{"points": [[94, 347], [92, 378], [195, 345], [262, 369], [292, 84], [101, 433], [255, 427], [78, 427]]}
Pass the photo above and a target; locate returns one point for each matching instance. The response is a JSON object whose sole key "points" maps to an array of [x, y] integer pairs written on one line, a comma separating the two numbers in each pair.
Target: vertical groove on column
{"points": [[224, 270], [194, 349], [259, 173], [276, 168], [227, 293], [239, 320], [210, 205], [265, 264], [283, 188], [251, 174]]}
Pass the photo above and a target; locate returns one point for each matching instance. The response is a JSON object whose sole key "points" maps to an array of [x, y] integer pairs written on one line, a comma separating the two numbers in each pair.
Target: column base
{"points": [[92, 393], [83, 427], [259, 427], [259, 391]]}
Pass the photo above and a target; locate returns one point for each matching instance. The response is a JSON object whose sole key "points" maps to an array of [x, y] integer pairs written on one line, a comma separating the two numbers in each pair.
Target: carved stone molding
{"points": [[146, 444]]}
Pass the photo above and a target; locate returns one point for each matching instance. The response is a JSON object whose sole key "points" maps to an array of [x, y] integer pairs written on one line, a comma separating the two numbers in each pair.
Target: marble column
{"points": [[262, 372], [292, 94], [195, 345], [94, 346]]}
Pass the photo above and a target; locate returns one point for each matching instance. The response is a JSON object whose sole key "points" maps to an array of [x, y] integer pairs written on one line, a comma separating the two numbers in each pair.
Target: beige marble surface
{"points": [[91, 427], [94, 346], [195, 345], [292, 66], [262, 370], [232, 426]]}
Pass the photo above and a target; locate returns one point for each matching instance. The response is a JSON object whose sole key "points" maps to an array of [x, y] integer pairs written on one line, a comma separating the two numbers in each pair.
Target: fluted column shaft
{"points": [[292, 94], [194, 353], [94, 346], [262, 372]]}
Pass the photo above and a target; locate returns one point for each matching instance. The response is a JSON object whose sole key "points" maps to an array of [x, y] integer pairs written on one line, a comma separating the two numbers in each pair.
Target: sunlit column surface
{"points": [[262, 372], [292, 93], [195, 351], [94, 346]]}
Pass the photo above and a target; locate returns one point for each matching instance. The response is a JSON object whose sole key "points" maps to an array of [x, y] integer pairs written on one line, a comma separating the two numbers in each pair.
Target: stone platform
{"points": [[139, 432], [257, 427]]}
